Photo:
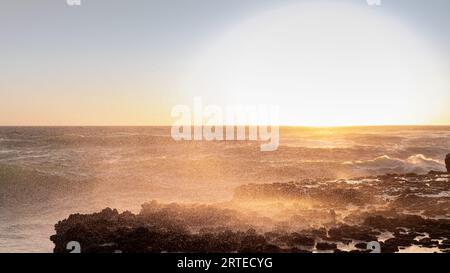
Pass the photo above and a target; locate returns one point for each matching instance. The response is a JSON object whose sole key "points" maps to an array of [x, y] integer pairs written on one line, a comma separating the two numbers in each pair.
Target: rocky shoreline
{"points": [[403, 213]]}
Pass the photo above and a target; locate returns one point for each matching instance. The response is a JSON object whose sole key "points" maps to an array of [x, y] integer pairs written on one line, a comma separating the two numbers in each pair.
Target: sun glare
{"points": [[324, 65]]}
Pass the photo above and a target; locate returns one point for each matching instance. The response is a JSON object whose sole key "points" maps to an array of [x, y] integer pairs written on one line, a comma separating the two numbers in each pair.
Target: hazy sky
{"points": [[121, 62]]}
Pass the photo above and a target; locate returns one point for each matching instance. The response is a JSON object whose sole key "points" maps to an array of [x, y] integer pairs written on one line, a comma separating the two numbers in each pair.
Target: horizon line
{"points": [[237, 125]]}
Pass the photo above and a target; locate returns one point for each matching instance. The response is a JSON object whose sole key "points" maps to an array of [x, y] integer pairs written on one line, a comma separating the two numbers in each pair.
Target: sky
{"points": [[117, 62]]}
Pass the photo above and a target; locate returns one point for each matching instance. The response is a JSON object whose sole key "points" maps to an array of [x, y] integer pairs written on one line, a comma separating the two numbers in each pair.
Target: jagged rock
{"points": [[445, 244], [297, 239], [326, 246], [361, 246], [300, 214], [399, 242], [389, 247], [428, 242]]}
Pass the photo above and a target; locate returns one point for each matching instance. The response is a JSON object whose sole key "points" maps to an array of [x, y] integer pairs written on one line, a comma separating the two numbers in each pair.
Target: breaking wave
{"points": [[385, 164]]}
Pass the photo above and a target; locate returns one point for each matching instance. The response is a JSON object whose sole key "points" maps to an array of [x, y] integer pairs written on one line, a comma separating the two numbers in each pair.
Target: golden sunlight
{"points": [[325, 65]]}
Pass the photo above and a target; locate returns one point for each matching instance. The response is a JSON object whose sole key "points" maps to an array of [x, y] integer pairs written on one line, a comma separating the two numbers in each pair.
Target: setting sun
{"points": [[325, 65]]}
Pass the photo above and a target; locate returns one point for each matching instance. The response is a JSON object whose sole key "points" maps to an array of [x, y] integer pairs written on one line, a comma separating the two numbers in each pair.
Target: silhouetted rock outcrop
{"points": [[447, 163], [306, 216]]}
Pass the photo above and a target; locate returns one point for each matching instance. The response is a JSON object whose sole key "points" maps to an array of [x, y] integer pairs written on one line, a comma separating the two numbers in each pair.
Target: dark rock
{"points": [[434, 173], [326, 246], [444, 246], [399, 242], [428, 242], [361, 246], [297, 239], [387, 247], [447, 162], [360, 251], [381, 204]]}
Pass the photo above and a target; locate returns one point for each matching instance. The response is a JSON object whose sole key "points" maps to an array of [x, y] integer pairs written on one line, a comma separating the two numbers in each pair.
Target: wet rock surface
{"points": [[403, 213]]}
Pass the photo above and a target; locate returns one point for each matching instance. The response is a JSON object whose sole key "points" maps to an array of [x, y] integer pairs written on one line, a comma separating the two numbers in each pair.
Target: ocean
{"points": [[48, 173]]}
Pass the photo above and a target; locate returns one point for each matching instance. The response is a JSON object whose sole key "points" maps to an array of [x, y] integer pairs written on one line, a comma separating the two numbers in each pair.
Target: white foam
{"points": [[414, 164]]}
